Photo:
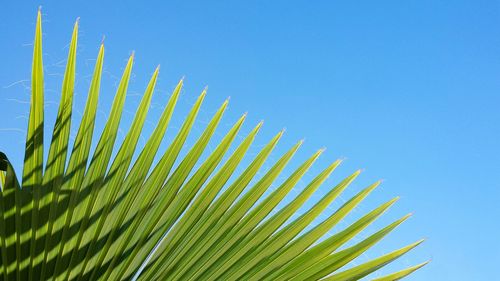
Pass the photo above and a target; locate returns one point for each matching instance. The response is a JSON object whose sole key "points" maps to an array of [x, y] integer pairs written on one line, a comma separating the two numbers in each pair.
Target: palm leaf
{"points": [[96, 216]]}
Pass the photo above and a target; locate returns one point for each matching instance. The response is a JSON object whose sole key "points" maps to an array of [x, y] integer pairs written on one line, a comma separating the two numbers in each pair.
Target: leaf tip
{"points": [[420, 241], [336, 163], [259, 125], [39, 17], [280, 133], [243, 117], [376, 184], [203, 93]]}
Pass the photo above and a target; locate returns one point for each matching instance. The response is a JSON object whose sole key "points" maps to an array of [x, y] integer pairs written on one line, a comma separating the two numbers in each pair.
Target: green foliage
{"points": [[77, 219]]}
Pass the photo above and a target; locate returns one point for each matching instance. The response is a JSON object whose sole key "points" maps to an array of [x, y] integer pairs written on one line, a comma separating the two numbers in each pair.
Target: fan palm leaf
{"points": [[73, 218]]}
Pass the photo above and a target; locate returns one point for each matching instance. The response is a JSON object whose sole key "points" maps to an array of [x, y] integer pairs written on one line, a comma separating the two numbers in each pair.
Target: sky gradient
{"points": [[407, 90]]}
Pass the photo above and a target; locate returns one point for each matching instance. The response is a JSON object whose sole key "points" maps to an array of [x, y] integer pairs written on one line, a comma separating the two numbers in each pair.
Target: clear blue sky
{"points": [[407, 90]]}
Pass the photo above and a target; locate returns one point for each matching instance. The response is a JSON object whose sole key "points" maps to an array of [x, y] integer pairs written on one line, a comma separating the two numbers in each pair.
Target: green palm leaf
{"points": [[98, 217]]}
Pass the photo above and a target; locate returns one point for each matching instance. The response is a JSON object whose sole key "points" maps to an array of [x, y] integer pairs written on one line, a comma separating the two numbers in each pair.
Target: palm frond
{"points": [[98, 217]]}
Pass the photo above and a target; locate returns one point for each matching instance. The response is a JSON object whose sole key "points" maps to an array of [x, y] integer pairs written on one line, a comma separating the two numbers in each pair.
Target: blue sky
{"points": [[407, 90]]}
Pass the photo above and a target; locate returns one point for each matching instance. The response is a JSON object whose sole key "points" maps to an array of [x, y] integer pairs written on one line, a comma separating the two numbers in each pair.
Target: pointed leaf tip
{"points": [[419, 242], [203, 94], [280, 133], [243, 117], [376, 184], [39, 17]]}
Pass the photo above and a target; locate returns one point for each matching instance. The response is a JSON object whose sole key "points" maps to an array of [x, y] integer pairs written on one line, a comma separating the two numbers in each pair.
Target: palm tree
{"points": [[80, 220]]}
